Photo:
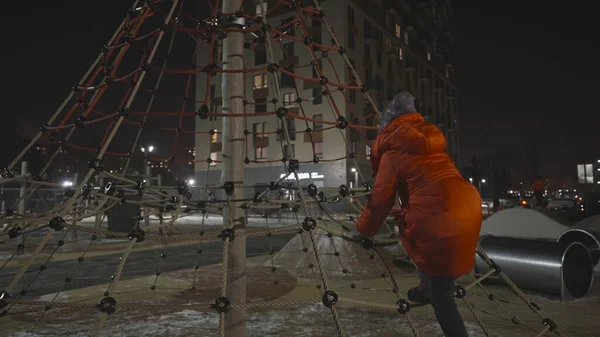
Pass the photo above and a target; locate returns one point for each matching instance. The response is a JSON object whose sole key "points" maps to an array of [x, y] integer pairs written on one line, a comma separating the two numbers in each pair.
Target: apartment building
{"points": [[393, 45]]}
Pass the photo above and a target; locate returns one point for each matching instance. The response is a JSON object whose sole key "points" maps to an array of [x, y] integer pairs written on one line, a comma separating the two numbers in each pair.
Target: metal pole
{"points": [[98, 220], [75, 207], [148, 183], [233, 171], [160, 214], [22, 191]]}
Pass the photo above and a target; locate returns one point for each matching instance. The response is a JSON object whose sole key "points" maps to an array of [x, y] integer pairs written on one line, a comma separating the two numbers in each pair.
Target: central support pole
{"points": [[233, 171]]}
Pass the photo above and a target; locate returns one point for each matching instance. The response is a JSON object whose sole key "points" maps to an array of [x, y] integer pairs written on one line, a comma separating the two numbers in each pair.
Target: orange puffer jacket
{"points": [[442, 210]]}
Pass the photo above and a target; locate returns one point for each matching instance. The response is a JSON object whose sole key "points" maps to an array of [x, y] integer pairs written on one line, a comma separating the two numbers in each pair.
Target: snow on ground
{"points": [[307, 321], [523, 223], [591, 223]]}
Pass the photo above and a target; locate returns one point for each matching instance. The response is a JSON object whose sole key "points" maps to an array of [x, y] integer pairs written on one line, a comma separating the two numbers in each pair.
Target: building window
{"points": [[261, 8], [214, 136], [260, 154], [352, 96], [317, 95], [214, 157], [260, 81], [260, 57], [389, 47], [428, 56], [260, 105], [367, 28], [406, 38], [287, 81], [350, 15], [291, 127], [398, 31], [389, 21], [351, 41], [447, 72], [288, 49], [287, 153], [400, 53], [258, 130], [317, 123], [368, 151], [318, 146], [289, 98]]}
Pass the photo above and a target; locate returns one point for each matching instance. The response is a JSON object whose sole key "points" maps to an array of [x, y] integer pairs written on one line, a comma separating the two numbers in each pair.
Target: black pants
{"points": [[539, 198], [440, 292]]}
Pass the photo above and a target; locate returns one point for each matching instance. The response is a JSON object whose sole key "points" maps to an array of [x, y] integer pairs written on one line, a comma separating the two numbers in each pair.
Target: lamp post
{"points": [[355, 182], [147, 169]]}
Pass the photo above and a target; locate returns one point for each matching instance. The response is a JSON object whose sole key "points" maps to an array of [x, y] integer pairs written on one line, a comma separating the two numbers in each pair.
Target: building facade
{"points": [[393, 45]]}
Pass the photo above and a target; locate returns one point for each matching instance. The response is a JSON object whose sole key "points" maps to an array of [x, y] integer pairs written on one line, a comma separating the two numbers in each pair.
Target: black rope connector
{"points": [[330, 298], [222, 305], [202, 112], [246, 160], [138, 234], [86, 190], [293, 165], [366, 243], [145, 67], [460, 291], [57, 223], [9, 212], [308, 40], [44, 128], [182, 188], [4, 299], [239, 14], [322, 197], [309, 224], [352, 155], [550, 324], [282, 112], [273, 186], [229, 187], [95, 164], [343, 191], [14, 232], [227, 233], [403, 306], [342, 50], [515, 320], [7, 174], [312, 190], [109, 188], [496, 268], [364, 88], [316, 160], [342, 123], [123, 111], [266, 27], [323, 80], [107, 305], [368, 187], [273, 67]]}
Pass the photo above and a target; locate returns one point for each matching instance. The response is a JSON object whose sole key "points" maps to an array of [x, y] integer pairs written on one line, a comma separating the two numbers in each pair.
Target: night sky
{"points": [[528, 73]]}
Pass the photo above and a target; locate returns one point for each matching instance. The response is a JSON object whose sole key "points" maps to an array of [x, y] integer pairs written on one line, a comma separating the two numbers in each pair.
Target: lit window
{"points": [[259, 130], [289, 98], [319, 150], [260, 153], [400, 53], [317, 123], [261, 8], [398, 31], [213, 158], [368, 152], [260, 81], [214, 136], [428, 56]]}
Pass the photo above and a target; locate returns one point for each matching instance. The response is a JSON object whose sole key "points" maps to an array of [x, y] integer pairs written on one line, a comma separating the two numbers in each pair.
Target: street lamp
{"points": [[355, 171], [482, 181], [146, 167], [191, 182], [471, 180]]}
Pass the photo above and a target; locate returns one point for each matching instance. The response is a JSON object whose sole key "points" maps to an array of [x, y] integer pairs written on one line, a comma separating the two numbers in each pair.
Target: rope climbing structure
{"points": [[334, 265]]}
